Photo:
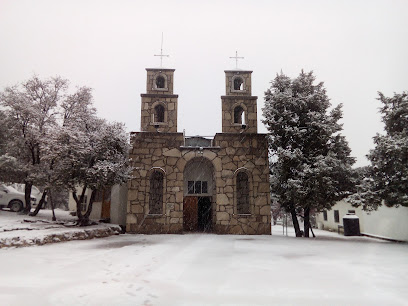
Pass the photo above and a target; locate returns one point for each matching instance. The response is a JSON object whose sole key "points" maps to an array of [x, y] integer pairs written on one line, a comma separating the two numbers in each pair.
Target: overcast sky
{"points": [[356, 47]]}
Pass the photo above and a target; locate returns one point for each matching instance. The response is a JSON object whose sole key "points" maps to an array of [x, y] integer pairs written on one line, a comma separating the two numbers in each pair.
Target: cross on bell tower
{"points": [[236, 57], [161, 53], [239, 111], [159, 103]]}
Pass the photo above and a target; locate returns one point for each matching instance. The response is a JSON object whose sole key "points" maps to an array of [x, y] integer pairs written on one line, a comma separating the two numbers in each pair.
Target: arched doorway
{"points": [[199, 188]]}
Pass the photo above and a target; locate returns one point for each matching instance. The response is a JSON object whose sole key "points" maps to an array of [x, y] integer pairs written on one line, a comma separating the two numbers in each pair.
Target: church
{"points": [[197, 184]]}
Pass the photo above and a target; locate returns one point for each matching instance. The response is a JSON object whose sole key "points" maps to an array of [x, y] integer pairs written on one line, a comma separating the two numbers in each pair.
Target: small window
{"points": [[204, 187], [325, 215], [242, 193], [197, 187], [103, 195], [156, 193], [351, 211], [83, 204], [190, 187], [98, 195], [159, 113], [239, 115], [336, 216], [238, 84], [160, 82]]}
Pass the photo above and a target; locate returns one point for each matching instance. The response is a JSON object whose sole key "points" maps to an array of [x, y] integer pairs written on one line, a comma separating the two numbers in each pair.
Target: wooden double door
{"points": [[197, 214]]}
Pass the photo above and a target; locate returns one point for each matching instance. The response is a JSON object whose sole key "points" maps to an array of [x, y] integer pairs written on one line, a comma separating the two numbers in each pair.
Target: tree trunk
{"points": [[295, 222], [306, 213], [27, 197], [314, 236], [40, 204], [83, 220], [89, 209], [78, 203], [52, 207]]}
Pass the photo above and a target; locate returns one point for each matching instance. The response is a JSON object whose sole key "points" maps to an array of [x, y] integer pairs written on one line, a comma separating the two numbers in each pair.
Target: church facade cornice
{"points": [[239, 97], [238, 71], [160, 69], [158, 96]]}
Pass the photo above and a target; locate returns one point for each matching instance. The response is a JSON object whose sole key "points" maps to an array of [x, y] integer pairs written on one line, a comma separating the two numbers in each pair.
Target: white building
{"points": [[386, 222]]}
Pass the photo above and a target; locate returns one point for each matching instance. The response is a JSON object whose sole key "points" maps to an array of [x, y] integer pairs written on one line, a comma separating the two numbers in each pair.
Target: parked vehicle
{"points": [[13, 199], [35, 193]]}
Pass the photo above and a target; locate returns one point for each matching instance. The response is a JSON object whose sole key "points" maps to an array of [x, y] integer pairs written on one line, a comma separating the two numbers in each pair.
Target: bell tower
{"points": [[239, 113], [159, 104]]}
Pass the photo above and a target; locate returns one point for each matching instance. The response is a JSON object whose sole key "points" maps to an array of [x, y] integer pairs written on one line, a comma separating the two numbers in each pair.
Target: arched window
{"points": [[239, 115], [238, 83], [160, 82], [156, 193], [242, 193], [159, 113]]}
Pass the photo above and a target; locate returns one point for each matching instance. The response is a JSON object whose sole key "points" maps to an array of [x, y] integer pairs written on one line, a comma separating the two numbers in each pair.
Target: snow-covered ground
{"points": [[22, 230], [206, 269]]}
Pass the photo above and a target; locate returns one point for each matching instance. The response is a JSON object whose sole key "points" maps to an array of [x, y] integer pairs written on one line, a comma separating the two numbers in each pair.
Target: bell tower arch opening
{"points": [[160, 82], [159, 113], [238, 83], [199, 188]]}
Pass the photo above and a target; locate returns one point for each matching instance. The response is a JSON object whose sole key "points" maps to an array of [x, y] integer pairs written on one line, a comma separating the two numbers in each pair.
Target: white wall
{"points": [[343, 208], [117, 207], [388, 222], [385, 222], [119, 204], [96, 206]]}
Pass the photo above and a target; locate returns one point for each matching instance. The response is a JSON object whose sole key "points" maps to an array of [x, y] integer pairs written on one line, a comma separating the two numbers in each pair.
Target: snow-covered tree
{"points": [[55, 139], [30, 110], [386, 179], [92, 155], [310, 160], [3, 133], [364, 195], [75, 110]]}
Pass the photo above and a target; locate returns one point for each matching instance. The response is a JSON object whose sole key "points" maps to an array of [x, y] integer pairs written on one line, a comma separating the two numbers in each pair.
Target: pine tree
{"points": [[310, 160], [386, 179]]}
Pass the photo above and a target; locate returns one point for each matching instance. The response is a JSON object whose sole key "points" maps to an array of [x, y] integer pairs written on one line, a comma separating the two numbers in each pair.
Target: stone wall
{"points": [[152, 73], [231, 153], [155, 150], [245, 75], [249, 153], [228, 105], [170, 117]]}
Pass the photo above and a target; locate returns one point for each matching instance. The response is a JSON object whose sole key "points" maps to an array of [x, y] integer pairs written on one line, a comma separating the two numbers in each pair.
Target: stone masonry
{"points": [[160, 148]]}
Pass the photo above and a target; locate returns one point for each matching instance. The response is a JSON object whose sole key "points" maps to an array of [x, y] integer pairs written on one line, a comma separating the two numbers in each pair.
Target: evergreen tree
{"points": [[386, 179], [310, 160]]}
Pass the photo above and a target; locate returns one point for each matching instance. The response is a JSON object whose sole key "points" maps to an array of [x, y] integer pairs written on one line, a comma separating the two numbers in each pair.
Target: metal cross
{"points": [[161, 53], [236, 59]]}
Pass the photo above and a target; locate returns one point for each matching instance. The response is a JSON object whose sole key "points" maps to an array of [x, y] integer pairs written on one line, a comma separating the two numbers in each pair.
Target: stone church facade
{"points": [[191, 184]]}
